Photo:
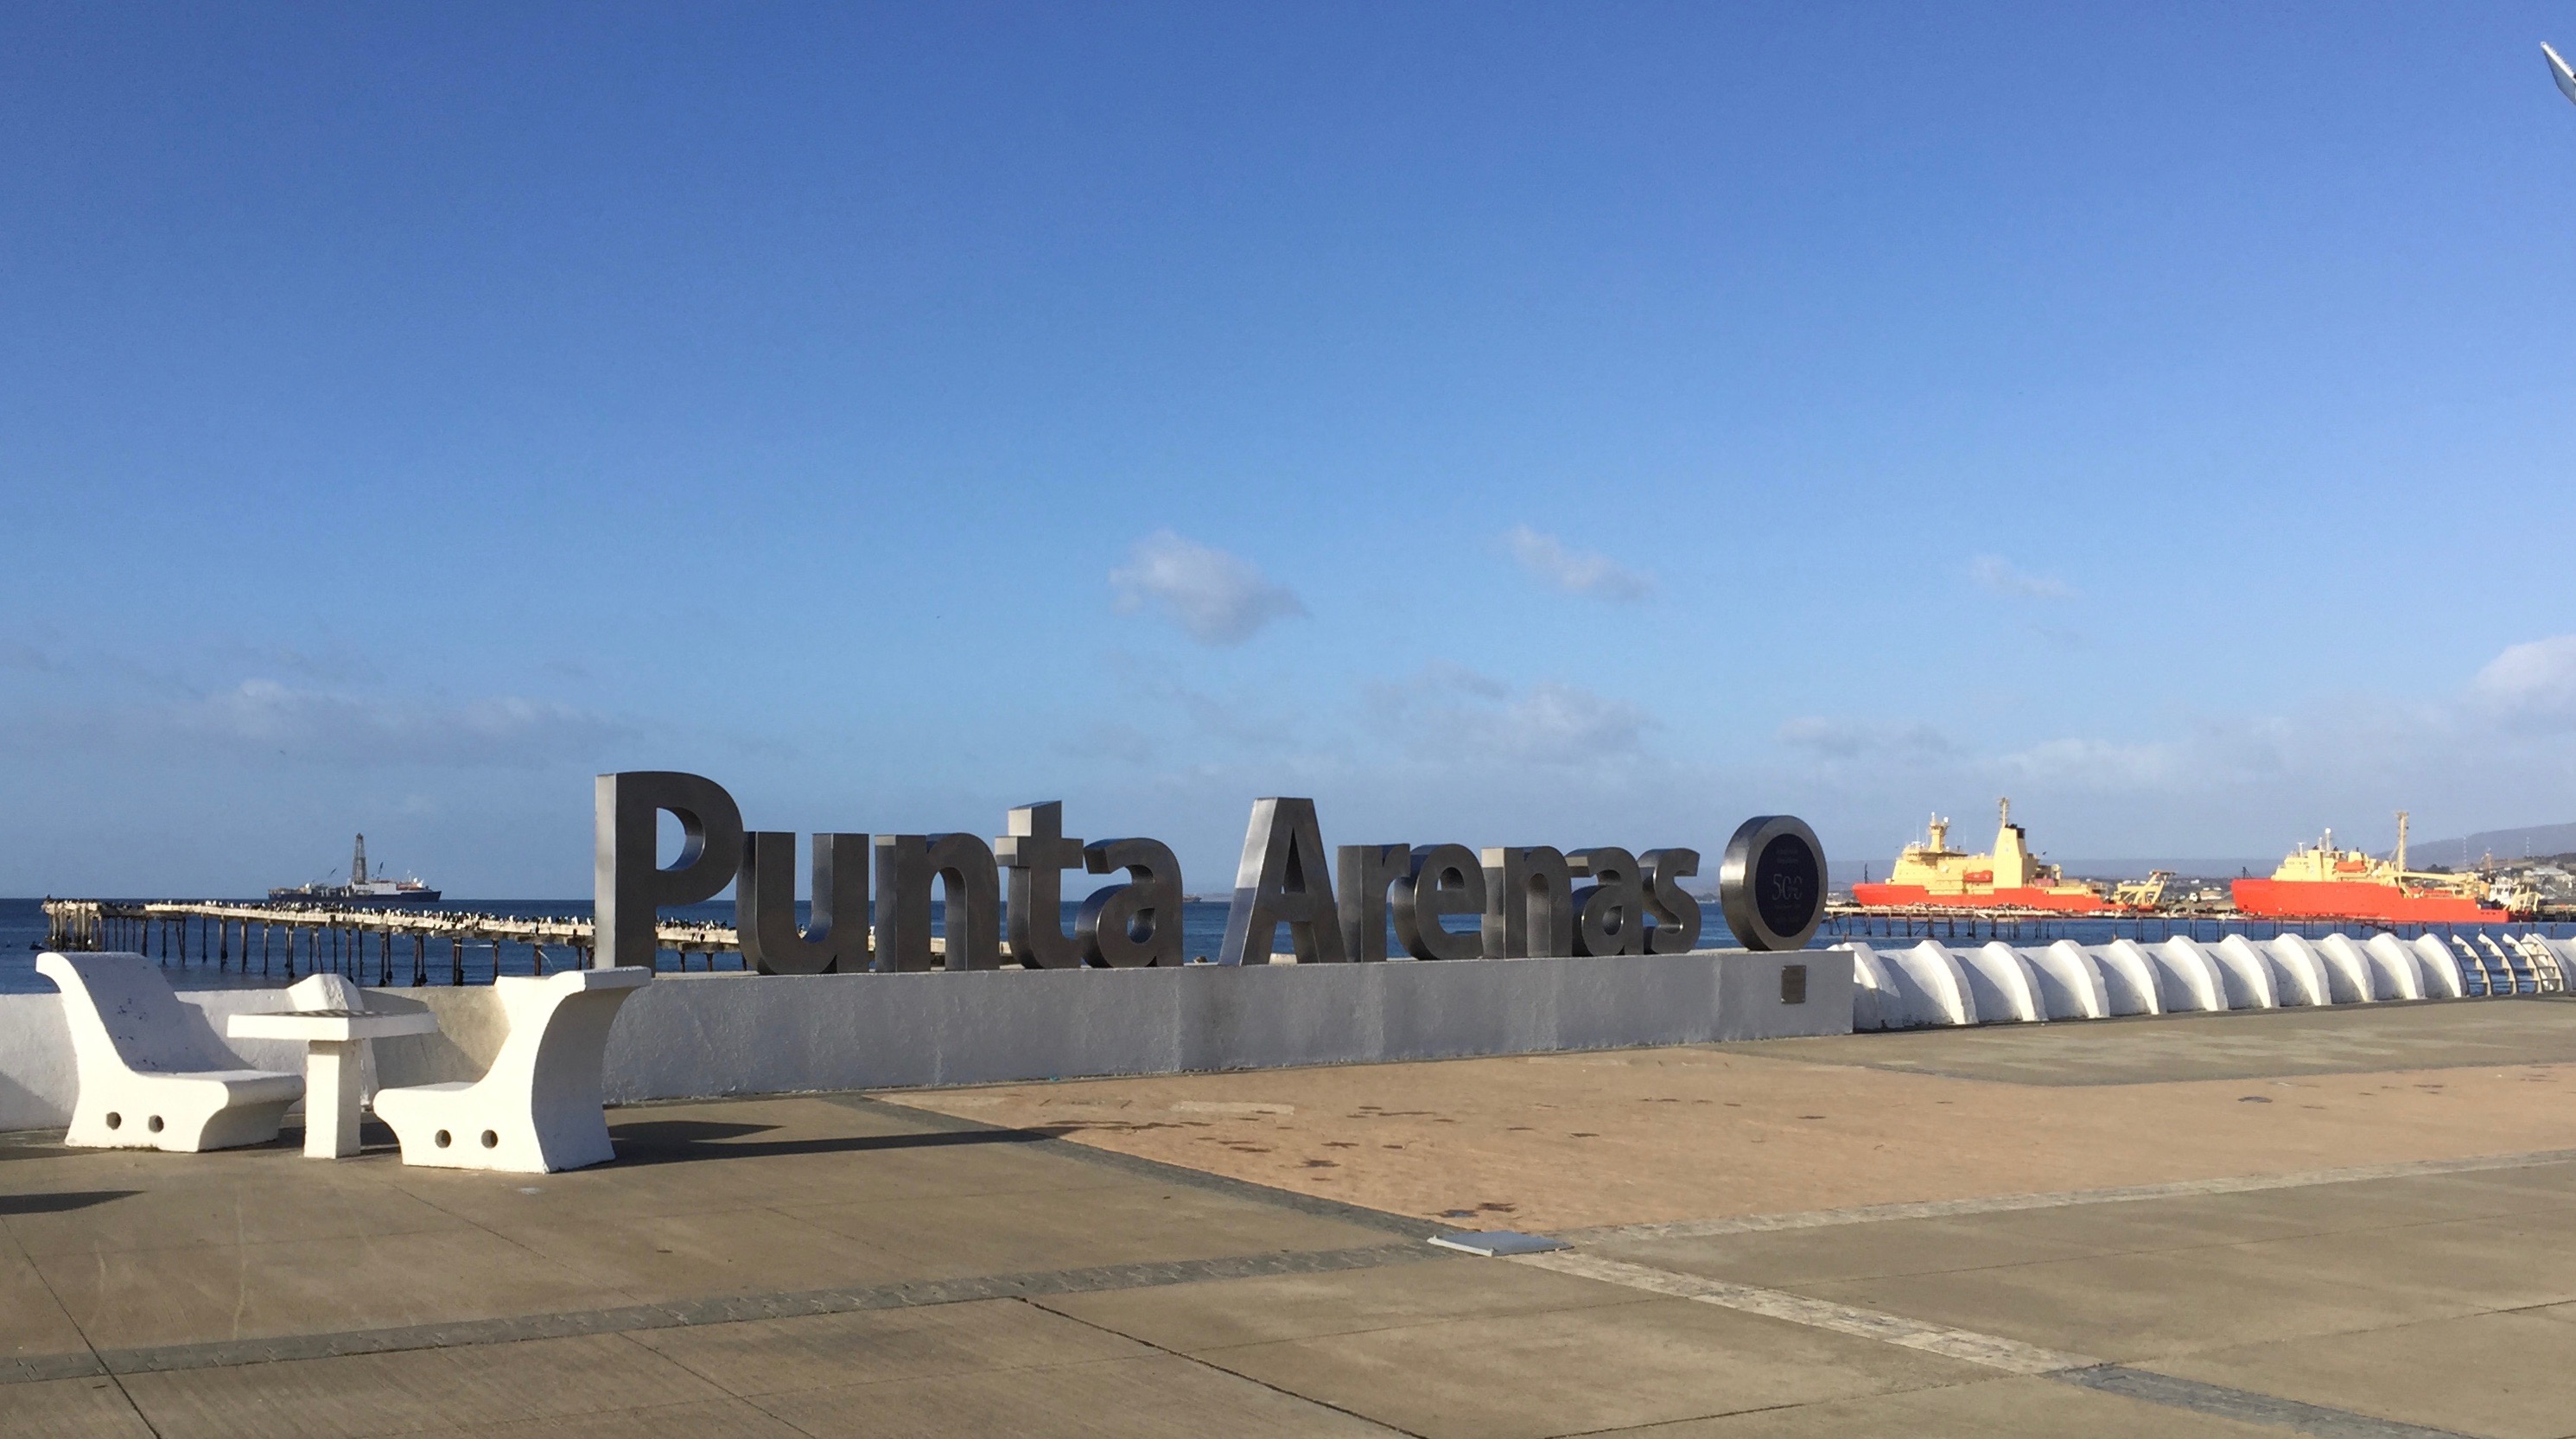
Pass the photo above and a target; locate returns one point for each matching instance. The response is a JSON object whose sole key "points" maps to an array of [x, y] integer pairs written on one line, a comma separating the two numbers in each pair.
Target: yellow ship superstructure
{"points": [[1935, 874], [2322, 881]]}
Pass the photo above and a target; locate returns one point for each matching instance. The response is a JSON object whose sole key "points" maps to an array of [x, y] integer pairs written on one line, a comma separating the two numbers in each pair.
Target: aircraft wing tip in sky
{"points": [[2559, 72]]}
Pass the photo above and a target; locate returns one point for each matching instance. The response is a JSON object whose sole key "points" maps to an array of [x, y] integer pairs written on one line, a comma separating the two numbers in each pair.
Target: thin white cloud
{"points": [[1109, 739], [1576, 572], [1215, 597], [2094, 764], [1839, 739], [323, 724], [2494, 752], [2531, 685], [264, 718], [1451, 713], [1993, 572]]}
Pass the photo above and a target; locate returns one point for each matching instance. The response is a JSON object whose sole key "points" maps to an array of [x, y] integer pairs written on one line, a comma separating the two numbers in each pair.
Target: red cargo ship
{"points": [[2010, 878], [2320, 881]]}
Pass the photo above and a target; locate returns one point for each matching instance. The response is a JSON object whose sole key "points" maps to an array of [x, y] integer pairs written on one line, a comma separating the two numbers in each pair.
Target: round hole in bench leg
{"points": [[491, 1139], [115, 1120], [444, 1139], [153, 1124]]}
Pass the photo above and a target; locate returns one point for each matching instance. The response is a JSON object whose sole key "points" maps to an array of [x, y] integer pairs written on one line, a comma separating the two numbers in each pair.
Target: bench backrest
{"points": [[120, 1004]]}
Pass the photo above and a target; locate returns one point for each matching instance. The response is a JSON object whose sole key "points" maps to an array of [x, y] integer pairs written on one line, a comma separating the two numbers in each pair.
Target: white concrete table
{"points": [[331, 1039]]}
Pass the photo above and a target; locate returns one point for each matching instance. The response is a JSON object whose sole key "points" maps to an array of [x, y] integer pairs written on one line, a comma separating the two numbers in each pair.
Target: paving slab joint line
{"points": [[2246, 1406], [732, 1309], [2009, 1203], [1990, 1350]]}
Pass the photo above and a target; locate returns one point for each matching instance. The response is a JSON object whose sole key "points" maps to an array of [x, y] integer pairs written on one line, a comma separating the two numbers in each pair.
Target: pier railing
{"points": [[286, 940]]}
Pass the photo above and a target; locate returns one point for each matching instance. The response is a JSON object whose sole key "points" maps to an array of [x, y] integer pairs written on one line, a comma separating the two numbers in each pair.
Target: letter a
{"points": [[1283, 880]]}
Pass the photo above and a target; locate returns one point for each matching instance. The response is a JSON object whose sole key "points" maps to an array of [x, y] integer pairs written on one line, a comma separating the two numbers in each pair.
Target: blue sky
{"points": [[1509, 425]]}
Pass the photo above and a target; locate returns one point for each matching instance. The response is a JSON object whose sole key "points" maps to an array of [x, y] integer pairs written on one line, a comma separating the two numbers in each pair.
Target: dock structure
{"points": [[293, 939], [2020, 922]]}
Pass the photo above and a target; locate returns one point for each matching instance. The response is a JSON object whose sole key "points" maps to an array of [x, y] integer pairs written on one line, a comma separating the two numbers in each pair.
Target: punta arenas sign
{"points": [[1527, 898]]}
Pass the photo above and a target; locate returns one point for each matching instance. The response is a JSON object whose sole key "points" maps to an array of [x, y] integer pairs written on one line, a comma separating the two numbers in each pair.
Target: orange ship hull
{"points": [[2310, 899], [1909, 896]]}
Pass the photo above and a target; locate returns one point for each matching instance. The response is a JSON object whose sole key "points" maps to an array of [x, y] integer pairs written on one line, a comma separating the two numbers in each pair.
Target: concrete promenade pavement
{"points": [[2349, 1222]]}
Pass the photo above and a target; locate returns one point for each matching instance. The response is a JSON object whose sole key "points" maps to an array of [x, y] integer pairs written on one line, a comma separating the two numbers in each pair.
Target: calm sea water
{"points": [[22, 931]]}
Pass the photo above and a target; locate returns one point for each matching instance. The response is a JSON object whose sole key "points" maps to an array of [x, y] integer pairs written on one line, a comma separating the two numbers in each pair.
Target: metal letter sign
{"points": [[1772, 885], [1771, 889], [1282, 880], [963, 866], [1677, 920], [1367, 870], [764, 904], [1445, 879], [1134, 924], [628, 888], [1037, 854]]}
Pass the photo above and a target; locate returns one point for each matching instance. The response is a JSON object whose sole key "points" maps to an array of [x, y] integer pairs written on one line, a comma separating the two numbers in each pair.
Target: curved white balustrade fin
{"points": [[2292, 983], [2070, 984], [2504, 967], [2442, 971], [1936, 988], [2346, 982], [2004, 985], [2184, 982], [2431, 981], [2387, 980], [2473, 962], [2128, 980], [2244, 979], [2566, 952], [1875, 1002]]}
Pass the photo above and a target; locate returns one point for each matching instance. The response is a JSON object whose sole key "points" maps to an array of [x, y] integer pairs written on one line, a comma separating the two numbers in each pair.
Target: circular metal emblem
{"points": [[1772, 885]]}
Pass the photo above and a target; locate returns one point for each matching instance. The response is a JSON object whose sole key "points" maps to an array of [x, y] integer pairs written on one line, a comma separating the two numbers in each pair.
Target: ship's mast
{"points": [[358, 863]]}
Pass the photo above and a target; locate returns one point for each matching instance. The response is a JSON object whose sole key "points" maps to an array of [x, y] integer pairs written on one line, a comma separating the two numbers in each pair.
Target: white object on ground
{"points": [[2004, 986], [2563, 951], [2244, 980], [152, 1073], [2297, 977], [2443, 974], [2128, 980], [1936, 989], [2070, 984], [333, 1049], [2514, 967], [538, 1108], [2184, 982], [2543, 957], [2469, 960], [1875, 1002], [2388, 980], [2432, 981], [2346, 983]]}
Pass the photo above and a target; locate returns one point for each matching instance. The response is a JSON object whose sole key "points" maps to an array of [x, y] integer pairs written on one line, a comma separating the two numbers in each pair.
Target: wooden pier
{"points": [[291, 939]]}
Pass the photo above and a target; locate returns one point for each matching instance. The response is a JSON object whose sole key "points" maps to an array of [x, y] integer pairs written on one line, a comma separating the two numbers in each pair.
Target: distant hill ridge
{"points": [[2537, 839]]}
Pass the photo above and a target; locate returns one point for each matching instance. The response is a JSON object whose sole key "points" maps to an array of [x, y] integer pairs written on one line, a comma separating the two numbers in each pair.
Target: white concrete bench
{"points": [[538, 1109], [152, 1073]]}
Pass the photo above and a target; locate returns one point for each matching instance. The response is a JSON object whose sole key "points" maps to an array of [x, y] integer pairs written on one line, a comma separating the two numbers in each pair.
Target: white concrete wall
{"points": [[685, 1036]]}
